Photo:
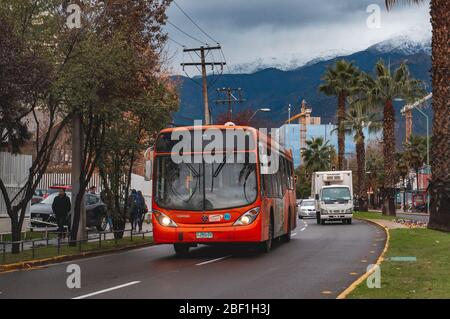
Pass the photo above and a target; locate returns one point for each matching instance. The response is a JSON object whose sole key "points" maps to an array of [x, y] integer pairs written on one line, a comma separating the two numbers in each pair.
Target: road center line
{"points": [[303, 229], [107, 290], [294, 234], [211, 261]]}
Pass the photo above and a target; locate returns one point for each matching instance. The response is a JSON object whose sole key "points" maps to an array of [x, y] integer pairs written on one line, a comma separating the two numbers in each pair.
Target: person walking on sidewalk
{"points": [[142, 209], [61, 207]]}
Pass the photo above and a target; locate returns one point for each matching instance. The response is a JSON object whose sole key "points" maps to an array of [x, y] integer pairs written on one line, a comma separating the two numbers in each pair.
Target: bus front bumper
{"points": [[208, 234]]}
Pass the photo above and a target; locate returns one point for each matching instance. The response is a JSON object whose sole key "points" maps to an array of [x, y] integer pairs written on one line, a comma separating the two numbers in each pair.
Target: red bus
{"points": [[227, 201]]}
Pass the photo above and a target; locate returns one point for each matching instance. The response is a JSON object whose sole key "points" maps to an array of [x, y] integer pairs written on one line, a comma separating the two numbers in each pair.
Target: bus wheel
{"points": [[266, 246], [181, 250], [287, 237]]}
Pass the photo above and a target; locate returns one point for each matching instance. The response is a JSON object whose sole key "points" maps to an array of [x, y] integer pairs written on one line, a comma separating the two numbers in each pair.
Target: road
{"points": [[319, 262]]}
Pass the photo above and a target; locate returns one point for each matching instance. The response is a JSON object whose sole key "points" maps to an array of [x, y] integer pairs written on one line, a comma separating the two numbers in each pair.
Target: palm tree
{"points": [[416, 154], [357, 118], [440, 152], [317, 155], [340, 81], [382, 91]]}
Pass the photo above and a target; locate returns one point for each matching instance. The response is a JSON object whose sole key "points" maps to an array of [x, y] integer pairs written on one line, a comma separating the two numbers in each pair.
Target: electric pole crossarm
{"points": [[206, 63], [202, 48]]}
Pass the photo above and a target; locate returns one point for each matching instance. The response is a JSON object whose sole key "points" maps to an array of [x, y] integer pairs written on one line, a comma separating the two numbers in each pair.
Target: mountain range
{"points": [[276, 88]]}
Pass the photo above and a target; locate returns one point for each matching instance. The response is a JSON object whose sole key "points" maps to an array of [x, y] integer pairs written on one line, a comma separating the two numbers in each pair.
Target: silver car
{"points": [[307, 209]]}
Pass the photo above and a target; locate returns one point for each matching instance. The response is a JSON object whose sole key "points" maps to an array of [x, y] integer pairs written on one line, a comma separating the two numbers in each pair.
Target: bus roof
{"points": [[261, 136]]}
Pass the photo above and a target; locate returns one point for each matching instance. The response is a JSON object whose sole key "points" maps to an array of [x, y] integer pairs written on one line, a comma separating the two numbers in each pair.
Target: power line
{"points": [[176, 42], [185, 33], [192, 20]]}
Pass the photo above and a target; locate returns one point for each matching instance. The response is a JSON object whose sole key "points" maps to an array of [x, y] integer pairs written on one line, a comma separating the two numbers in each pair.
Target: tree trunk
{"points": [[15, 236], [341, 130], [389, 158], [361, 158], [440, 150]]}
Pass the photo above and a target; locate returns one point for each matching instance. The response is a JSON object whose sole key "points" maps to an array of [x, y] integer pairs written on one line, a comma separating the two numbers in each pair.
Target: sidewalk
{"points": [[93, 236]]}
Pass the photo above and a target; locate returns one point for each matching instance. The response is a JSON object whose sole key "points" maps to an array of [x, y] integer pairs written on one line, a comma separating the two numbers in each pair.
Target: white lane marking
{"points": [[211, 261], [294, 234], [303, 229], [107, 290]]}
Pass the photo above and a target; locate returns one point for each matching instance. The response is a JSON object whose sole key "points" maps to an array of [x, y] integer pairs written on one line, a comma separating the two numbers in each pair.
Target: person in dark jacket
{"points": [[61, 207], [142, 209]]}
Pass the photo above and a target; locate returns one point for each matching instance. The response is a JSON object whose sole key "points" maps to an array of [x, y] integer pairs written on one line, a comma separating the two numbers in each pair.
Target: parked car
{"points": [[96, 212], [55, 189], [39, 195], [307, 209]]}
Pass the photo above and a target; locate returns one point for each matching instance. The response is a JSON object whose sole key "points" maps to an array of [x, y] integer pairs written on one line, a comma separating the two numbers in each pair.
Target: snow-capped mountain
{"points": [[415, 40], [412, 41]]}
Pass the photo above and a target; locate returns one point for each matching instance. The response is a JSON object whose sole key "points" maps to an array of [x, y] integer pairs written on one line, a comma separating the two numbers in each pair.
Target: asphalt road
{"points": [[319, 262]]}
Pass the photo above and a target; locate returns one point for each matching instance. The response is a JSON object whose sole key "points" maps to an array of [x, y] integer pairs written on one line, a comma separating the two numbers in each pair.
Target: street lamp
{"points": [[259, 110], [415, 106]]}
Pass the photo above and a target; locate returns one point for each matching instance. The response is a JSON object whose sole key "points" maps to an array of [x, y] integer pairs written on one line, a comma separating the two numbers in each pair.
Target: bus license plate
{"points": [[203, 235]]}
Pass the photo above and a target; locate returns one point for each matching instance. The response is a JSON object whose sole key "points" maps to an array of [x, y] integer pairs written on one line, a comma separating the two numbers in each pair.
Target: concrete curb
{"points": [[380, 259], [28, 265]]}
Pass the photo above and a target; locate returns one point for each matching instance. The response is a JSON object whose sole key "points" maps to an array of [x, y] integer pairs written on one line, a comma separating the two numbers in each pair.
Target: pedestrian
{"points": [[61, 207], [92, 190], [133, 208], [142, 209]]}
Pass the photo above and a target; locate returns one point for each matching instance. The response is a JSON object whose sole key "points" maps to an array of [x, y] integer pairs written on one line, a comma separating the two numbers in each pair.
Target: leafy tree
{"points": [[357, 118], [317, 155], [416, 154], [303, 185], [440, 151], [375, 170], [342, 81], [382, 90]]}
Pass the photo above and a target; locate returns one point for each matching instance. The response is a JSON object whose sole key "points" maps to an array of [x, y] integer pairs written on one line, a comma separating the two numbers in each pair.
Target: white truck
{"points": [[333, 193]]}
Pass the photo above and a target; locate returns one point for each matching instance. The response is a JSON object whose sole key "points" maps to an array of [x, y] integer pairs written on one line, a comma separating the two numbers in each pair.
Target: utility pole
{"points": [[203, 64], [230, 99]]}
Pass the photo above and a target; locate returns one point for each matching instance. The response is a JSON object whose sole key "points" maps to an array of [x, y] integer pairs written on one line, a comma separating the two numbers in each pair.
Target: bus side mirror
{"points": [[317, 196]]}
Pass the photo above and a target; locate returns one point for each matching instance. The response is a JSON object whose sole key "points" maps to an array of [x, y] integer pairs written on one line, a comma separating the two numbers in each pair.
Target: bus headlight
{"points": [[247, 218], [164, 220]]}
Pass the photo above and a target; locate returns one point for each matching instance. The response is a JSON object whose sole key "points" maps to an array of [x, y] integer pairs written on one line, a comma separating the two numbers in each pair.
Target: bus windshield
{"points": [[204, 186], [336, 194]]}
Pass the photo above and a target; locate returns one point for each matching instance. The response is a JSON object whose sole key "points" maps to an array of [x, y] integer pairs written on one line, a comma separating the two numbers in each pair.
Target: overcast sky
{"points": [[286, 31]]}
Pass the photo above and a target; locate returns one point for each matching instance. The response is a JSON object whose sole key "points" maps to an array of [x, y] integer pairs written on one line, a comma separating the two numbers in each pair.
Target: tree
{"points": [[381, 92], [440, 151], [38, 44], [303, 185], [317, 155], [416, 154], [357, 118], [22, 79], [375, 171], [402, 168], [340, 81], [126, 138]]}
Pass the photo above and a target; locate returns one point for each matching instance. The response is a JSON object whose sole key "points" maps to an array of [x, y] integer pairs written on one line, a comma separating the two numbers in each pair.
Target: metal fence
{"points": [[51, 179], [59, 240], [14, 170]]}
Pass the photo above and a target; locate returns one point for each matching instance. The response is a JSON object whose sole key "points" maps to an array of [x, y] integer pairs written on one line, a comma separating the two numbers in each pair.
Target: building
{"points": [[289, 135]]}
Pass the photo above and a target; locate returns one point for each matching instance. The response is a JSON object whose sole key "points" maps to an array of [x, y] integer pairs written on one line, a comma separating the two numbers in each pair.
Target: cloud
{"points": [[289, 30]]}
